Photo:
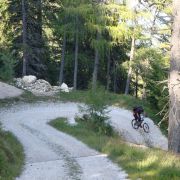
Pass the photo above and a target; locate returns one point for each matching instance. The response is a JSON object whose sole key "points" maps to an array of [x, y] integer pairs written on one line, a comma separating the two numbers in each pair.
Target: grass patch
{"points": [[147, 164], [11, 156]]}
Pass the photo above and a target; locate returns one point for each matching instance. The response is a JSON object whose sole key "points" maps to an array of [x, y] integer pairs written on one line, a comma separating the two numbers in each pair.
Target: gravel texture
{"points": [[51, 154], [8, 91], [121, 121]]}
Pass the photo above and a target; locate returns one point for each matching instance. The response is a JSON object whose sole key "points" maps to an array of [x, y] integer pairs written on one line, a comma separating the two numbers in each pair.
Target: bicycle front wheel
{"points": [[146, 127], [134, 124]]}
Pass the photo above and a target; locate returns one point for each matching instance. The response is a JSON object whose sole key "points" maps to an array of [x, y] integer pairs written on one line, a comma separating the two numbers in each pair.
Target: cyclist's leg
{"points": [[135, 116], [139, 119], [139, 116]]}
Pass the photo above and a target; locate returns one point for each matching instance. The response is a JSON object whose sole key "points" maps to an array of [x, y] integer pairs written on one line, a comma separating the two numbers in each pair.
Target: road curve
{"points": [[51, 154]]}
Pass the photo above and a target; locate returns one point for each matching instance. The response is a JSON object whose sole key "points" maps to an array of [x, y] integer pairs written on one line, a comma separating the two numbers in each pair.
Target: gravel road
{"points": [[8, 91], [51, 154]]}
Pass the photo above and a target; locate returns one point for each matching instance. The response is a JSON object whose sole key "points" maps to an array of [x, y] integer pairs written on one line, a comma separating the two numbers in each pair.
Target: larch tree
{"points": [[79, 14], [98, 36], [61, 72], [133, 39], [76, 54]]}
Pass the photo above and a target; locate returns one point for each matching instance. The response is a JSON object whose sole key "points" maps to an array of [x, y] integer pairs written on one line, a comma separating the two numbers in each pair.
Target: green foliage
{"points": [[152, 70], [6, 66], [96, 111]]}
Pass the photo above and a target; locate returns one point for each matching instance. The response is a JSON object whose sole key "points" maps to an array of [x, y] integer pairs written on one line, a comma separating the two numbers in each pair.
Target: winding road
{"points": [[51, 154]]}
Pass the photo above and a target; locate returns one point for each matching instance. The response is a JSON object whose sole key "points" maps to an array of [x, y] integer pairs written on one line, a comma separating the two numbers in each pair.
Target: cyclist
{"points": [[137, 111]]}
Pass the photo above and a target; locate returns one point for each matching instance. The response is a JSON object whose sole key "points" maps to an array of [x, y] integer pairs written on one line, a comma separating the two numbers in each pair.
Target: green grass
{"points": [[148, 164], [11, 156]]}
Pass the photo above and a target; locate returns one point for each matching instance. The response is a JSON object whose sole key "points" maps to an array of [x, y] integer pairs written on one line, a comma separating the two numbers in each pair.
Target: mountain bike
{"points": [[136, 124]]}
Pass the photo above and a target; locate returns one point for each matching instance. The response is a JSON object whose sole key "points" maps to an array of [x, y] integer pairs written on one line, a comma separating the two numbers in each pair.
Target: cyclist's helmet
{"points": [[138, 108]]}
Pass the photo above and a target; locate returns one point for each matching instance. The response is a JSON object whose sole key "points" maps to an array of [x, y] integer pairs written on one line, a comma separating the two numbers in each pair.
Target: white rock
{"points": [[41, 86], [71, 89], [64, 88], [29, 79], [18, 82], [56, 88], [38, 87]]}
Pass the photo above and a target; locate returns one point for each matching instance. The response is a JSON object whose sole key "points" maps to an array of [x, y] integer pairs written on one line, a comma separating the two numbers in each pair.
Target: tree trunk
{"points": [[37, 50], [96, 64], [108, 70], [24, 21], [76, 56], [144, 96], [39, 18], [136, 84], [114, 72], [174, 84], [130, 66], [61, 73]]}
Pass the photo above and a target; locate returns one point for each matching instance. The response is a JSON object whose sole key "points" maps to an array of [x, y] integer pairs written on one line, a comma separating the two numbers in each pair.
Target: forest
{"points": [[122, 45]]}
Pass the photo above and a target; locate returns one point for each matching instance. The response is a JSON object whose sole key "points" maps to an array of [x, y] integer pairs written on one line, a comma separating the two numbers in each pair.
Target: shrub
{"points": [[95, 111]]}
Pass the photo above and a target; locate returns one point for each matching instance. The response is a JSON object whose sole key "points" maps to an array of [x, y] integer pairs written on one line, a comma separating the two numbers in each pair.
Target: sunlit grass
{"points": [[11, 156], [144, 163]]}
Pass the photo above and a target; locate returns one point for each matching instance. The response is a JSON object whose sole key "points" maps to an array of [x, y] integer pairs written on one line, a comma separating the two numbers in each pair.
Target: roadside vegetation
{"points": [[11, 156], [138, 162], [119, 100]]}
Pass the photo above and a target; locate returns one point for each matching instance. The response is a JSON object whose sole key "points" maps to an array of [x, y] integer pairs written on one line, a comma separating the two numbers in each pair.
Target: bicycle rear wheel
{"points": [[134, 124], [146, 127]]}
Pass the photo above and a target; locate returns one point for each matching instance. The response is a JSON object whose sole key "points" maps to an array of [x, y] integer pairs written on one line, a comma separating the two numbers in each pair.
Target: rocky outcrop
{"points": [[39, 86]]}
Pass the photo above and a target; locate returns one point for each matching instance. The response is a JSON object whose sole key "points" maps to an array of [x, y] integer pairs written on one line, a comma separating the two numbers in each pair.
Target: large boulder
{"points": [[29, 79], [41, 86]]}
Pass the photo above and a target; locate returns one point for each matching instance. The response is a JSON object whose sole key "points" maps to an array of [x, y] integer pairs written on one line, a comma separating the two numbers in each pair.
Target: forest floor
{"points": [[55, 155]]}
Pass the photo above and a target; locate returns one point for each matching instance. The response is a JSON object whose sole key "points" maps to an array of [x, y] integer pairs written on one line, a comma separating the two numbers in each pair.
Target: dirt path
{"points": [[51, 154], [8, 91]]}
